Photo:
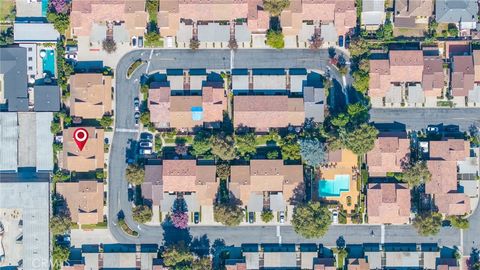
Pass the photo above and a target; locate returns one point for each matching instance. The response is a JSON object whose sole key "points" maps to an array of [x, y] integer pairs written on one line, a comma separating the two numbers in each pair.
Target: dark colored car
{"points": [[340, 41], [146, 136], [196, 217], [251, 217], [347, 42], [130, 194], [140, 42], [136, 116]]}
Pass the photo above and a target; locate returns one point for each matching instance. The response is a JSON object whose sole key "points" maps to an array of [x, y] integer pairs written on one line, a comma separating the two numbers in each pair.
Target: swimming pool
{"points": [[333, 188], [48, 62], [44, 8]]}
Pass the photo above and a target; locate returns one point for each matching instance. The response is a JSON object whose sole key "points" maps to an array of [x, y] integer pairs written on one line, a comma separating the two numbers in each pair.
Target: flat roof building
{"points": [[13, 78]]}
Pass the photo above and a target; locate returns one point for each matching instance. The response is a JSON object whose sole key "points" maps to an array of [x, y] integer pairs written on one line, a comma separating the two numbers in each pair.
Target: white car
{"points": [[335, 217], [169, 42], [282, 217], [146, 144]]}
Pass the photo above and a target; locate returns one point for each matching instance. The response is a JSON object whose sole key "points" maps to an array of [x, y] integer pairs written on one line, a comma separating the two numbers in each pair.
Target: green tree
{"points": [[361, 81], [340, 120], [428, 224], [223, 147], [245, 144], [60, 224], [385, 31], [311, 220], [229, 214], [267, 215], [135, 174], [358, 113], [142, 213], [452, 30], [60, 255], [201, 143], [275, 7], [223, 170], [55, 128], [202, 264], [459, 222], [61, 21], [106, 121], [109, 45], [177, 256], [60, 176], [6, 36], [416, 174], [272, 154], [153, 39], [275, 39], [145, 118], [362, 139], [290, 148], [313, 152]]}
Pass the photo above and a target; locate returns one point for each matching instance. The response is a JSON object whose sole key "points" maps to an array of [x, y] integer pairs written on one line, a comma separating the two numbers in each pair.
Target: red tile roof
{"points": [[390, 152], [388, 203]]}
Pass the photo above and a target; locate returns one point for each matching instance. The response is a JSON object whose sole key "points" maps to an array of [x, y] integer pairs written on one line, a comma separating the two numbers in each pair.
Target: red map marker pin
{"points": [[80, 136]]}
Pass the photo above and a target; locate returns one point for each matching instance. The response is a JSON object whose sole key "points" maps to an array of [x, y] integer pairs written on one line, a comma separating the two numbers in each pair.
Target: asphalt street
{"points": [[125, 130], [420, 118]]}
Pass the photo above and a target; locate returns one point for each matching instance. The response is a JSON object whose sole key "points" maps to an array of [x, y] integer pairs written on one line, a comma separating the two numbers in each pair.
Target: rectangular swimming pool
{"points": [[334, 188], [48, 62]]}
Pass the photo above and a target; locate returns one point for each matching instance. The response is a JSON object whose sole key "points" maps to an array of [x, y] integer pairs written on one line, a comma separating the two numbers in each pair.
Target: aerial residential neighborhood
{"points": [[239, 134]]}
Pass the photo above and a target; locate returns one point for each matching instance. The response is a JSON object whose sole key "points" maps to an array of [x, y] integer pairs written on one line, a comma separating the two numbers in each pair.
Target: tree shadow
{"points": [[299, 194], [200, 246], [173, 236], [341, 243], [474, 258]]}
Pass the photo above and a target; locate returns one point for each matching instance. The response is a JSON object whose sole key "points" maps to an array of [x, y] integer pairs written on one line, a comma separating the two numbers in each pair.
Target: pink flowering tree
{"points": [[60, 6], [180, 220]]}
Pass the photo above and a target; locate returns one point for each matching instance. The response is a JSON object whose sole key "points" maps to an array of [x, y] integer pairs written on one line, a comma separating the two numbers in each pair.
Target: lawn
{"points": [[6, 7]]}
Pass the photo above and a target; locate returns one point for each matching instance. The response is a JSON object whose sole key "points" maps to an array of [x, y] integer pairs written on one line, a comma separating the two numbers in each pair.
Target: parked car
{"points": [[196, 217], [146, 144], [340, 41], [251, 217], [134, 41], [335, 217], [146, 136], [432, 129], [140, 42], [145, 151], [136, 115], [282, 217], [130, 194], [347, 42], [169, 42], [136, 104]]}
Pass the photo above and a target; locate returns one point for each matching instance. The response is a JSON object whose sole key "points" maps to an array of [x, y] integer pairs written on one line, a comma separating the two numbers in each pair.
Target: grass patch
{"points": [[101, 225], [445, 103], [6, 7], [134, 67], [126, 229]]}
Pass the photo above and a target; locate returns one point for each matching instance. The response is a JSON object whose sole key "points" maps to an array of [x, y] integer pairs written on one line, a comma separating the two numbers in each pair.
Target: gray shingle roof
{"points": [[47, 98], [454, 11], [13, 66], [35, 32]]}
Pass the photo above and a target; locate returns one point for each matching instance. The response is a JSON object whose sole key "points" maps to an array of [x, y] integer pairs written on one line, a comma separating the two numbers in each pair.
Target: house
{"points": [[444, 157], [25, 210], [26, 142], [337, 180], [266, 184], [302, 19], [186, 110], [463, 13], [27, 10], [181, 181], [264, 112], [46, 98], [212, 22], [324, 264], [464, 86], [388, 203], [91, 21], [390, 153], [83, 199], [413, 13], [357, 264], [34, 32], [90, 95], [314, 101], [119, 256], [13, 79], [373, 14], [90, 158], [406, 76], [407, 256]]}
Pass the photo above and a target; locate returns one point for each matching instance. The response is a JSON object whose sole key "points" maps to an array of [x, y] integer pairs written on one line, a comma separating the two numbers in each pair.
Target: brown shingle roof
{"points": [[358, 264], [265, 175], [388, 203], [444, 177], [152, 187], [84, 200], [433, 79], [451, 149], [90, 95], [263, 112], [463, 75], [413, 8], [453, 204], [390, 152], [92, 155]]}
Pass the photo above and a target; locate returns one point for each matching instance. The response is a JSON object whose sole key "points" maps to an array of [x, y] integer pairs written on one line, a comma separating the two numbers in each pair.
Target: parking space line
{"points": [[382, 229], [279, 235]]}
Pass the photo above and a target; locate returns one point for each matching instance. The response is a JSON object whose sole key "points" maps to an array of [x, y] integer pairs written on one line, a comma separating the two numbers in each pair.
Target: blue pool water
{"points": [[197, 113], [49, 62], [333, 188], [44, 8]]}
